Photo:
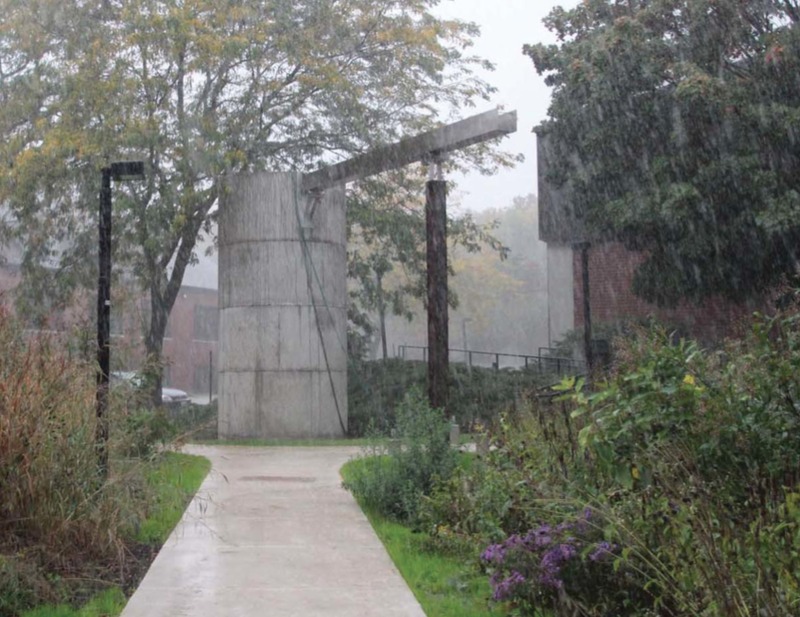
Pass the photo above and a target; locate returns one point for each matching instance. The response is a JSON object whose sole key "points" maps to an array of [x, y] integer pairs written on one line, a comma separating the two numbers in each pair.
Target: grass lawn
{"points": [[174, 479], [444, 585]]}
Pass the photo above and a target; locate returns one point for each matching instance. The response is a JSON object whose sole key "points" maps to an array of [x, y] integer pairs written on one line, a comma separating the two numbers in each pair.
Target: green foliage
{"points": [[477, 396], [21, 586], [201, 90], [395, 476], [689, 462], [444, 585], [66, 530], [195, 421], [173, 481], [144, 430], [510, 487], [673, 125], [106, 604], [386, 249], [48, 461]]}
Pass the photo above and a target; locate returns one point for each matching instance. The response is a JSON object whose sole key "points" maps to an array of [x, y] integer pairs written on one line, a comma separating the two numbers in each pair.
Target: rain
{"points": [[414, 307]]}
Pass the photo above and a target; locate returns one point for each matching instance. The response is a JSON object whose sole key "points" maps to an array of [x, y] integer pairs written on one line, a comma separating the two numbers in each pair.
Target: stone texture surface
{"points": [[271, 532], [283, 310]]}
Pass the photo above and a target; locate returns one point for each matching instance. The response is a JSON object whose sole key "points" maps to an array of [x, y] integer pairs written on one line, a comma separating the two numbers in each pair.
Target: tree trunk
{"points": [[154, 344]]}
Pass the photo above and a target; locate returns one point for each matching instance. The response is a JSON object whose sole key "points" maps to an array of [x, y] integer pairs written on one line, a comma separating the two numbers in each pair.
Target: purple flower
{"points": [[539, 538], [494, 553], [602, 550], [513, 541], [505, 588], [551, 563]]}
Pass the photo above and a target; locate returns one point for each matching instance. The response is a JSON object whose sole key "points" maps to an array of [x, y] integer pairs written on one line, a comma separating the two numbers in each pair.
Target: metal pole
{"points": [[103, 324], [210, 377]]}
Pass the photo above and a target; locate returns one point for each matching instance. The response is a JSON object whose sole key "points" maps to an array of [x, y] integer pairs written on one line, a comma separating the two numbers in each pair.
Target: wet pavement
{"points": [[272, 533]]}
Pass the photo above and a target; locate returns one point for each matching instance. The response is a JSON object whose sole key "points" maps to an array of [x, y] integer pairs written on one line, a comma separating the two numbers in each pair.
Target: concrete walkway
{"points": [[271, 533]]}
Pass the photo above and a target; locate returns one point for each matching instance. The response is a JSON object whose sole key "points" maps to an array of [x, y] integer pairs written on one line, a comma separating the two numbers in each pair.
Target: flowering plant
{"points": [[560, 566]]}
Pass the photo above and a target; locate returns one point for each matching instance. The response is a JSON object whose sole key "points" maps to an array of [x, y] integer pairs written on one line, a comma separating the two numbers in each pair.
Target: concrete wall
{"points": [[560, 292], [274, 381]]}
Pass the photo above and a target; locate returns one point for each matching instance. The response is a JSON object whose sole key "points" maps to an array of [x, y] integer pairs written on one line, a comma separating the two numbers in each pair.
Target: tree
{"points": [[386, 249], [676, 124], [201, 89]]}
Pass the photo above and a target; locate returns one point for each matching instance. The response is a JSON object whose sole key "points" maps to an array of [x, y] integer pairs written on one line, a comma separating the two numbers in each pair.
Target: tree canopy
{"points": [[676, 124], [200, 89]]}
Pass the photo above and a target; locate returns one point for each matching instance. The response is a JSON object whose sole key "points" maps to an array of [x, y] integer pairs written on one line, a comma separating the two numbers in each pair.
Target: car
{"points": [[173, 397], [170, 397]]}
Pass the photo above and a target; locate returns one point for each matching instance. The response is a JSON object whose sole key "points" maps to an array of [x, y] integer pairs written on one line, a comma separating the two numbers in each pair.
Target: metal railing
{"points": [[542, 362]]}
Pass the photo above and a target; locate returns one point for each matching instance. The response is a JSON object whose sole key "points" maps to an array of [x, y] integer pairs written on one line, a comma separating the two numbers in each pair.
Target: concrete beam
{"points": [[456, 136]]}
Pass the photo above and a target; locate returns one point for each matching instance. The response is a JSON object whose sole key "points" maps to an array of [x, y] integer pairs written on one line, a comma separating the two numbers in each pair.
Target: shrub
{"points": [[694, 458], [689, 460], [477, 396], [395, 476], [21, 586], [57, 515], [568, 567]]}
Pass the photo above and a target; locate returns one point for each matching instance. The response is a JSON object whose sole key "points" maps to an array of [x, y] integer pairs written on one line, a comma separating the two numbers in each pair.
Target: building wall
{"points": [[560, 292], [186, 347], [611, 269], [191, 344]]}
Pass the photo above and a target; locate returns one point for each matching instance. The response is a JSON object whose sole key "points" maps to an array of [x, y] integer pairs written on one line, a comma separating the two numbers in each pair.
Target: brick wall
{"points": [[611, 269], [187, 348]]}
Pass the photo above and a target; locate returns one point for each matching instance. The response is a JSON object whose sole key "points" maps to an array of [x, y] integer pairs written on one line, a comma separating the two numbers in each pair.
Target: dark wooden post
{"points": [[587, 308], [382, 314], [438, 344]]}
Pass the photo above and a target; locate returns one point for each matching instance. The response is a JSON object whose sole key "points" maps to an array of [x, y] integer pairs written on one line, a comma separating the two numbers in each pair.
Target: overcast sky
{"points": [[506, 25]]}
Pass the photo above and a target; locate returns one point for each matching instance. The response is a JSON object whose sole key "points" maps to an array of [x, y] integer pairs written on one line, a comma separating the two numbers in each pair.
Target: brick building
{"points": [[190, 344], [611, 269], [190, 347]]}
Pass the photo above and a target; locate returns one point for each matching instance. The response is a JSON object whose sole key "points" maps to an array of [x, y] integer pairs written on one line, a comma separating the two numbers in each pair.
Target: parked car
{"points": [[171, 397]]}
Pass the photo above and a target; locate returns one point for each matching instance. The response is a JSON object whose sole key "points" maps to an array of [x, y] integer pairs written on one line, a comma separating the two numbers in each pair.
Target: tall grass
{"points": [[48, 467], [56, 514]]}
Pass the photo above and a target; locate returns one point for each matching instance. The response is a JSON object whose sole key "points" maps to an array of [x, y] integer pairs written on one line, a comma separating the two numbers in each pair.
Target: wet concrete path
{"points": [[272, 533]]}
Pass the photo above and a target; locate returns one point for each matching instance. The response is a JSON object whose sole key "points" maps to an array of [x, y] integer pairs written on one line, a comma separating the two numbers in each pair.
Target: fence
{"points": [[543, 363]]}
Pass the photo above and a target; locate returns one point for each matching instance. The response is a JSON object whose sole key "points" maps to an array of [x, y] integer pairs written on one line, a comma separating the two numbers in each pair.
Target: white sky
{"points": [[506, 25]]}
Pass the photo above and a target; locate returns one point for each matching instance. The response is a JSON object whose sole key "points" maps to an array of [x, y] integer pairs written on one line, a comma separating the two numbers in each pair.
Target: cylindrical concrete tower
{"points": [[283, 321]]}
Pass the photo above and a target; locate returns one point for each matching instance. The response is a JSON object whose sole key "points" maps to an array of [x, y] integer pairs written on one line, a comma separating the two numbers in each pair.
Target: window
{"points": [[206, 323]]}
